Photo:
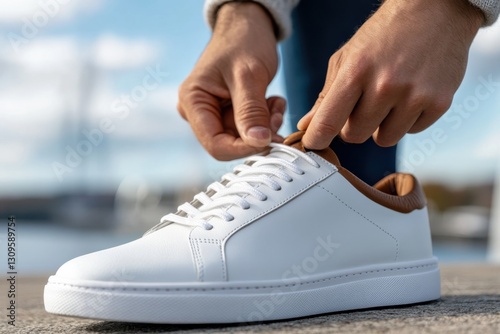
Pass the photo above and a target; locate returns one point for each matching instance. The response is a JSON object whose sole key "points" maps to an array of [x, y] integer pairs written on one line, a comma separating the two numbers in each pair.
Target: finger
{"points": [[204, 115], [306, 120], [397, 123], [333, 66], [251, 113], [432, 112], [370, 111], [426, 119], [331, 114], [277, 106], [277, 138]]}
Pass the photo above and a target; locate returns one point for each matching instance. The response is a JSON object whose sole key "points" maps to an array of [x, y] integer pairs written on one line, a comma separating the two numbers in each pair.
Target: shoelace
{"points": [[233, 189]]}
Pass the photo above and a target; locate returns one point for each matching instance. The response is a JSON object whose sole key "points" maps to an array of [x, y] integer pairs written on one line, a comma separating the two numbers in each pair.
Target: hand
{"points": [[397, 74], [223, 98]]}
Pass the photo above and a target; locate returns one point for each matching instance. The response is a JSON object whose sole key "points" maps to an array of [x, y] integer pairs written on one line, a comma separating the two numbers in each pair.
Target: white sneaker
{"points": [[288, 234]]}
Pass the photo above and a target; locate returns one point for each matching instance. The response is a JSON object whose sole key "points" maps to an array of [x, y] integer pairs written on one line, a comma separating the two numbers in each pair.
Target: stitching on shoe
{"points": [[198, 259], [314, 155], [216, 242], [329, 173], [369, 220], [250, 287]]}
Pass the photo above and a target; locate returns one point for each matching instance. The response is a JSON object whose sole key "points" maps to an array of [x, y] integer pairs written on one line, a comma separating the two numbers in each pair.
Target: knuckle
{"points": [[335, 59], [349, 69], [432, 102], [189, 87], [250, 70], [386, 86], [250, 111], [358, 64], [417, 102], [352, 72], [325, 129], [352, 80], [321, 96], [442, 103]]}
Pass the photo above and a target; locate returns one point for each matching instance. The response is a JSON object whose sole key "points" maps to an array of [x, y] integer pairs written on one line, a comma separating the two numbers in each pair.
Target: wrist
{"points": [[467, 16], [240, 14], [458, 17]]}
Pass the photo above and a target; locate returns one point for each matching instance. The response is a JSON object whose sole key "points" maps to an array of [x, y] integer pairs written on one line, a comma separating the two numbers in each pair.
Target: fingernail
{"points": [[276, 121], [300, 125], [304, 122], [259, 134]]}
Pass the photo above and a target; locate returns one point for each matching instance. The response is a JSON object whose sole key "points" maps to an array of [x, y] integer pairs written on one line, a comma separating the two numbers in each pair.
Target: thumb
{"points": [[251, 113]]}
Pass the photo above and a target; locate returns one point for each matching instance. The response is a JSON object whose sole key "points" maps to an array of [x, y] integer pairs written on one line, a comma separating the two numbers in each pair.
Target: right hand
{"points": [[223, 98]]}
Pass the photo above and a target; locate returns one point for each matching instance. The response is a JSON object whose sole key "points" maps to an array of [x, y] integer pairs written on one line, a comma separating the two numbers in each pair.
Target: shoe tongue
{"points": [[295, 140]]}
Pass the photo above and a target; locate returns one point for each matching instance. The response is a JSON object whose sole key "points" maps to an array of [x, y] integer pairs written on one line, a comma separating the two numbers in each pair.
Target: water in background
{"points": [[43, 248]]}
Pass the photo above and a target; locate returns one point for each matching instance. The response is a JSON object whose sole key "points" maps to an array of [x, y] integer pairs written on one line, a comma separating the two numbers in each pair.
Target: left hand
{"points": [[397, 74]]}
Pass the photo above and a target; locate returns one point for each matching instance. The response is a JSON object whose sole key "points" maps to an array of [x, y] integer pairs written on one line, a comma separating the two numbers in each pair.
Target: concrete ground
{"points": [[470, 304]]}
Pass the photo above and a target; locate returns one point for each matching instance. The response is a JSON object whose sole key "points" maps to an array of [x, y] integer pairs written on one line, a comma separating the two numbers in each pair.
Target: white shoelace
{"points": [[233, 189]]}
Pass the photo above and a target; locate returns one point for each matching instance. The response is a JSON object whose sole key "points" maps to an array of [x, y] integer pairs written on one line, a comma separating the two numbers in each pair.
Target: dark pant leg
{"points": [[320, 27]]}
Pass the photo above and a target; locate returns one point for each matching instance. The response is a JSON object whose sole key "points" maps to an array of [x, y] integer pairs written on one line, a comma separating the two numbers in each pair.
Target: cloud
{"points": [[112, 52], [108, 52], [41, 86], [154, 117], [44, 104], [46, 54], [19, 12], [37, 118]]}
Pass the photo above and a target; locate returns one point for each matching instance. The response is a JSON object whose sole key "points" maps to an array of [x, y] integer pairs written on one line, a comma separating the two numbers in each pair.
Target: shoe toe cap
{"points": [[158, 257]]}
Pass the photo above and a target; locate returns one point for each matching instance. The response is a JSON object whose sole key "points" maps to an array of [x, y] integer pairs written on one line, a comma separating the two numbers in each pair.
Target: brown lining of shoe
{"points": [[399, 192]]}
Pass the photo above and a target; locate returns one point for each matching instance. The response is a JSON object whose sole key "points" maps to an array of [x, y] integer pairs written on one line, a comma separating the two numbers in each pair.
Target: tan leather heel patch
{"points": [[399, 192]]}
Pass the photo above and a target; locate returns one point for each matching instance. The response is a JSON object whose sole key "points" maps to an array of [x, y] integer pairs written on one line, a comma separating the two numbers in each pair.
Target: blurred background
{"points": [[93, 152]]}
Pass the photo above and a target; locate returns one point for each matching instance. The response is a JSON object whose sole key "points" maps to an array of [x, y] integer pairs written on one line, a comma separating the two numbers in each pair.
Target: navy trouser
{"points": [[320, 27]]}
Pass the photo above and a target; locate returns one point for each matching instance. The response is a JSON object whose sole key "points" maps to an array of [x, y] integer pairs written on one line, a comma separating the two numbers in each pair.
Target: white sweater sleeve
{"points": [[490, 8], [280, 11]]}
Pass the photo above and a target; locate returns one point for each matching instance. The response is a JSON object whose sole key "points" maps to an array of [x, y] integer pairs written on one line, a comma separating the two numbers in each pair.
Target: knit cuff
{"points": [[490, 8], [280, 11]]}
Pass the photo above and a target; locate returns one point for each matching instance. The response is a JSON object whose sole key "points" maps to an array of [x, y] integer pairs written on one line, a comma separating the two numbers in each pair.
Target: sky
{"points": [[88, 94]]}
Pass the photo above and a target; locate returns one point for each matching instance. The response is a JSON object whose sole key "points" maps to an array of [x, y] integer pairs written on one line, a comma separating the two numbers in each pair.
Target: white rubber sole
{"points": [[237, 302]]}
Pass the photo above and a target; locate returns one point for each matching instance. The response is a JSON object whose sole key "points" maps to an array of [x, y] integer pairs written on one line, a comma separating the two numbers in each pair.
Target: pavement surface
{"points": [[470, 304]]}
